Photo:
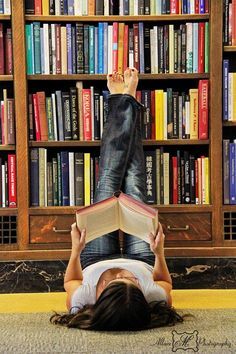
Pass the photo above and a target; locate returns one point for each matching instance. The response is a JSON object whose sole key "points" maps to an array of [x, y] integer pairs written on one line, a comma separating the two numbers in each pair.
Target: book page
{"points": [[137, 205], [100, 221], [137, 224]]}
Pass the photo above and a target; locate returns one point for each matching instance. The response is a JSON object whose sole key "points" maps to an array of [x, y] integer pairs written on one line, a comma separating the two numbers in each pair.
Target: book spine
{"points": [[91, 50], [100, 47], [11, 121], [74, 114], [86, 49], [115, 47], [49, 118], [232, 191], [55, 181], [65, 178], [42, 115], [87, 124], [193, 113], [66, 115], [49, 184], [79, 179], [31, 118], [71, 179], [37, 47], [12, 198], [60, 118], [36, 118], [226, 170], [136, 46], [150, 166], [166, 174], [87, 194], [203, 109]]}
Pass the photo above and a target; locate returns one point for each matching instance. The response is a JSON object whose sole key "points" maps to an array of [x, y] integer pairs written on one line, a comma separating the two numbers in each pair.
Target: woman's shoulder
{"points": [[85, 294]]}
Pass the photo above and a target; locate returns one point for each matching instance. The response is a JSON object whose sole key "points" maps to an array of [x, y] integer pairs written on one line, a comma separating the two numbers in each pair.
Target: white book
{"points": [[5, 128], [171, 49], [101, 116], [135, 7], [72, 178], [92, 110], [165, 115], [192, 7], [7, 7], [54, 116], [189, 47], [46, 48], [3, 186], [53, 39], [109, 59], [57, 7], [106, 7], [121, 8], [42, 59], [230, 96], [158, 7], [153, 7], [63, 51], [152, 50], [155, 50], [187, 118], [166, 174]]}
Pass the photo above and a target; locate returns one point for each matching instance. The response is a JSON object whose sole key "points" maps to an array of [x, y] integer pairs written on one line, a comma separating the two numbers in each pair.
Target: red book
{"points": [[196, 6], [203, 89], [42, 115], [12, 180], [1, 51], [153, 114], [87, 119], [36, 117], [206, 6], [136, 46], [2, 122], [175, 179], [174, 8], [8, 51], [58, 48], [138, 96], [38, 7], [115, 47], [201, 47], [125, 50]]}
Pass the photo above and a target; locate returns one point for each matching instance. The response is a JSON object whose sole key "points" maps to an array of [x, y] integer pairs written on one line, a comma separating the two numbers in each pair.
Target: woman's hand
{"points": [[157, 241], [77, 239]]}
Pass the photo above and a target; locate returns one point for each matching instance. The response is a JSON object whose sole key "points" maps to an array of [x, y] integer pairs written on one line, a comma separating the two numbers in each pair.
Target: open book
{"points": [[120, 211]]}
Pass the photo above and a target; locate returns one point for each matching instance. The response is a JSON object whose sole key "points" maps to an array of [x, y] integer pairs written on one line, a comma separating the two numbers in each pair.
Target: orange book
{"points": [[36, 117], [121, 47], [38, 7], [120, 211], [42, 115], [91, 7]]}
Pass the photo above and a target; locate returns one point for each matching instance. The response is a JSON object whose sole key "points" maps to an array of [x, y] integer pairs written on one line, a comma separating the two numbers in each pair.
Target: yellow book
{"points": [[121, 47], [207, 181], [234, 97], [87, 178], [45, 7], [193, 113], [159, 114]]}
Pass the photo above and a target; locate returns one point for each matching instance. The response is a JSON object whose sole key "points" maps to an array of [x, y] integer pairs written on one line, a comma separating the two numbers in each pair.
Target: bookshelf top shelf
{"points": [[8, 211], [6, 78], [7, 147], [5, 17], [229, 124], [229, 48], [84, 77], [160, 18]]}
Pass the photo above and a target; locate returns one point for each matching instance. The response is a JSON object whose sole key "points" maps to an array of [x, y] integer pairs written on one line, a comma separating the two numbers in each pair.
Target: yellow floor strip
{"points": [[182, 299]]}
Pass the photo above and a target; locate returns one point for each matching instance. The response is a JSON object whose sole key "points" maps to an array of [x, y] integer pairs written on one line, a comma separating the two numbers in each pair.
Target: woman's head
{"points": [[121, 306]]}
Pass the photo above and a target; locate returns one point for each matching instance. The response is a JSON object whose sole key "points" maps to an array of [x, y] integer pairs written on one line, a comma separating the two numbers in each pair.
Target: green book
{"points": [[29, 50], [51, 135], [54, 182]]}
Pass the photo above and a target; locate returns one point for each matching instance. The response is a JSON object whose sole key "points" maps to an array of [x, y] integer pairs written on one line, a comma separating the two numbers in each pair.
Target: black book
{"points": [[66, 115], [146, 123], [226, 23], [50, 49], [105, 94], [79, 178], [147, 9], [182, 173], [175, 111], [186, 178], [29, 7], [79, 28], [169, 114], [179, 53], [86, 48], [150, 167], [73, 49], [147, 51], [126, 7], [65, 178], [175, 51], [183, 115], [55, 182], [31, 118], [183, 48], [163, 7], [167, 6], [99, 8], [166, 48], [141, 7], [187, 99], [160, 36], [192, 178], [49, 184], [74, 114], [34, 177], [59, 179], [97, 134], [51, 7], [62, 7]]}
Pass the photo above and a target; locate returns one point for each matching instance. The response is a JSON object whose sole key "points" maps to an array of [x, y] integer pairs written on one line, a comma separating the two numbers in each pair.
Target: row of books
{"points": [[229, 22], [8, 198], [6, 64], [65, 179], [7, 120], [229, 171], [177, 179], [5, 7], [87, 49], [118, 7], [81, 113], [229, 93]]}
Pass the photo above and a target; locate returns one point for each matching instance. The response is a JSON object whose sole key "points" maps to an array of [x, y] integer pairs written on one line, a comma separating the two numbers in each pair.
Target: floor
{"points": [[55, 301]]}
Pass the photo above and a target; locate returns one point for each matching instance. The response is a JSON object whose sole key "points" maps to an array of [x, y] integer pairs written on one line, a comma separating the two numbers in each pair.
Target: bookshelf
{"points": [[191, 230]]}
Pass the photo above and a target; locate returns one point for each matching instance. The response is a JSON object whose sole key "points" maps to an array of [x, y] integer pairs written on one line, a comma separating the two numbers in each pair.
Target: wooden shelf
{"points": [[6, 77], [8, 211], [229, 208], [229, 48], [73, 143], [229, 124], [5, 17], [7, 147], [93, 77], [162, 18]]}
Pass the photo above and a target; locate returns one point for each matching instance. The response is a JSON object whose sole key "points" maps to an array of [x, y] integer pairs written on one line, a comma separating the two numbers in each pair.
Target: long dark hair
{"points": [[120, 306]]}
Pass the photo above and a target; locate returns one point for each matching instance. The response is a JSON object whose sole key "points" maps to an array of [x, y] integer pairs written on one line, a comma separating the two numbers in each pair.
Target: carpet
{"points": [[210, 331]]}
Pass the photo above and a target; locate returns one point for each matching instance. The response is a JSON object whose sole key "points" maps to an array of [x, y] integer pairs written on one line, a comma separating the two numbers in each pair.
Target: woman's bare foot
{"points": [[115, 83], [131, 81]]}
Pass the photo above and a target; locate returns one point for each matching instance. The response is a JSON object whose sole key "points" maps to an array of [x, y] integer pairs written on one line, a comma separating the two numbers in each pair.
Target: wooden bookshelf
{"points": [[230, 48], [6, 78], [207, 220]]}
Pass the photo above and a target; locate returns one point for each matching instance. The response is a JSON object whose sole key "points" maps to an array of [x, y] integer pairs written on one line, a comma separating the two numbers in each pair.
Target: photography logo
{"points": [[185, 341]]}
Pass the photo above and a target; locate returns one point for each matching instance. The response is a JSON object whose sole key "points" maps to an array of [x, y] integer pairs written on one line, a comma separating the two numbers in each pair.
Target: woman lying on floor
{"points": [[117, 291]]}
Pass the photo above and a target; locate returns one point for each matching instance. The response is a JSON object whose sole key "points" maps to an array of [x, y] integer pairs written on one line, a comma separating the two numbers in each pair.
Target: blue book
{"points": [[37, 47], [225, 89], [126, 7], [184, 7], [96, 50], [105, 51], [59, 181], [163, 7], [226, 143], [71, 7], [69, 49], [65, 178], [100, 47], [141, 48], [91, 50], [1, 6], [29, 50], [65, 7], [34, 177], [232, 161], [195, 47], [42, 51], [202, 6], [188, 6], [73, 49]]}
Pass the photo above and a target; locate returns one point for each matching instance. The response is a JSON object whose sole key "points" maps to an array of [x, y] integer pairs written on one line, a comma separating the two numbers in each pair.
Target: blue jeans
{"points": [[121, 167]]}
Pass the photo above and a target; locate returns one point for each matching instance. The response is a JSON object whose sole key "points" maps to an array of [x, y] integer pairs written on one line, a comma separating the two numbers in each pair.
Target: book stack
{"points": [[229, 171], [7, 120], [100, 49], [5, 7], [8, 198], [6, 64], [177, 179], [229, 23], [66, 178], [119, 7]]}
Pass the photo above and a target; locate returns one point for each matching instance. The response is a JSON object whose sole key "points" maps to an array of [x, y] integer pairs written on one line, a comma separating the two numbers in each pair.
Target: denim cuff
{"points": [[128, 96]]}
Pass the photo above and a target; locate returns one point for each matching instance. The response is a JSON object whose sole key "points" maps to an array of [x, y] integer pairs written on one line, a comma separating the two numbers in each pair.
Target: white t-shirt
{"points": [[86, 293]]}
